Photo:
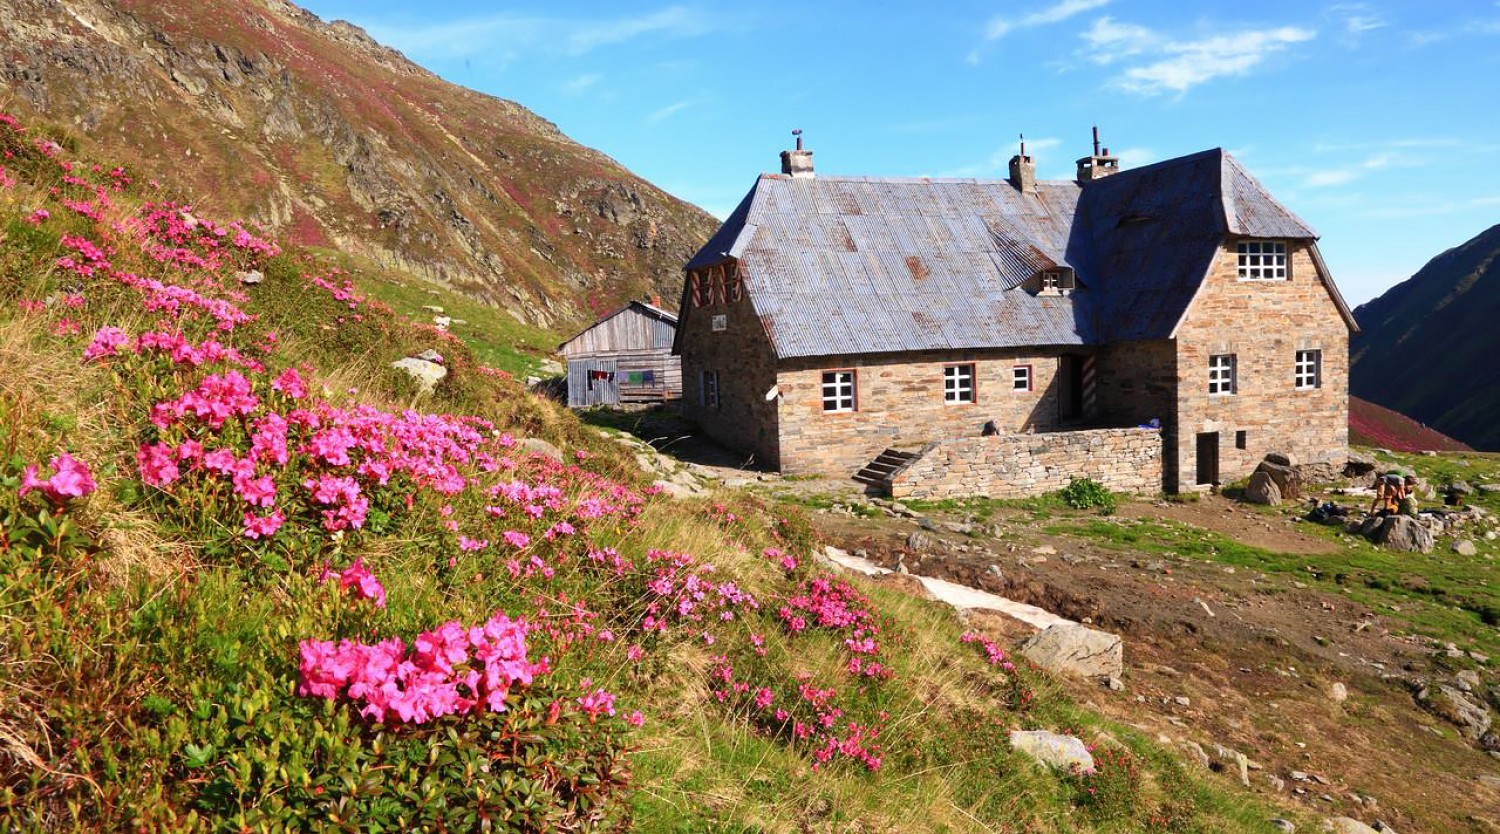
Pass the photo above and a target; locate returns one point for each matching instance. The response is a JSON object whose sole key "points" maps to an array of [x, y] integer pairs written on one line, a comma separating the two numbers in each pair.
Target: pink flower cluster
{"points": [[358, 581], [451, 670], [70, 478], [993, 653]]}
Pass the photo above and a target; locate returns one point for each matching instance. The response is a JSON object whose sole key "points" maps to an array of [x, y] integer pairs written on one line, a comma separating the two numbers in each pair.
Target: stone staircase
{"points": [[878, 473]]}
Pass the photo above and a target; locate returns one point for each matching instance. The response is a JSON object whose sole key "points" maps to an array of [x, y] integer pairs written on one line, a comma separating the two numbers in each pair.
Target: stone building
{"points": [[860, 325]]}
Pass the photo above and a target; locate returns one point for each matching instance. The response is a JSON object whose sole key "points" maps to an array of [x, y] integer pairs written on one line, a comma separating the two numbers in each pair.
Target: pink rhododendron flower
{"points": [[157, 464], [259, 527], [70, 478], [467, 544], [516, 539], [362, 582], [635, 719]]}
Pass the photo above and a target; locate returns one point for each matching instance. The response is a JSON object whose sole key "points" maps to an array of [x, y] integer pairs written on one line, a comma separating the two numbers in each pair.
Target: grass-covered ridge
{"points": [[252, 581]]}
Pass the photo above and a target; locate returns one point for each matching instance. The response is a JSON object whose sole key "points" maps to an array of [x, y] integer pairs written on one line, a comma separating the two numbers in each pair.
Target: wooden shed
{"points": [[625, 357]]}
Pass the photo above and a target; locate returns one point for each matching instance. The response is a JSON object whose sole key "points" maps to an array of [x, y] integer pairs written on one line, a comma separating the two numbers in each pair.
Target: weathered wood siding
{"points": [[633, 340]]}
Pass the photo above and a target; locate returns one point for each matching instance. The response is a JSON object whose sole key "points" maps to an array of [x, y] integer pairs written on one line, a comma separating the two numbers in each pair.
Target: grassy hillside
{"points": [[1427, 345], [255, 582]]}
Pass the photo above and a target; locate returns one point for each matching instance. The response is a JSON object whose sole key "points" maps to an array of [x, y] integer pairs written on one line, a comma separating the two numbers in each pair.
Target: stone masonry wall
{"points": [[899, 403], [1264, 324], [1024, 465], [742, 356]]}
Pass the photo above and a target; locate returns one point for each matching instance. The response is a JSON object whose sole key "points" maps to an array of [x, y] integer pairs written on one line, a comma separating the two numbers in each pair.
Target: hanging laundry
{"points": [[648, 376], [635, 377]]}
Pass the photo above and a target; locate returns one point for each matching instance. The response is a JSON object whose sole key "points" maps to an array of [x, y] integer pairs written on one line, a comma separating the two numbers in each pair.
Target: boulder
{"points": [[1359, 465], [1280, 459], [1402, 532], [1347, 825], [538, 446], [1470, 717], [1074, 649], [1464, 547], [919, 541], [1053, 750], [426, 374], [1285, 475], [430, 355], [1263, 490], [1458, 488], [250, 277]]}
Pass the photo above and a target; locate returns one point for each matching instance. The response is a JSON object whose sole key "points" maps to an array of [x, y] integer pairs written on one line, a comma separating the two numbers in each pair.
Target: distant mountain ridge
{"points": [[1430, 346], [333, 139]]}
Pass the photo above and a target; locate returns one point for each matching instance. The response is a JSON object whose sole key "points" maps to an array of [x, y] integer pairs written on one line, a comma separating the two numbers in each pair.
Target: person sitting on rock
{"points": [[1406, 502], [1387, 495]]}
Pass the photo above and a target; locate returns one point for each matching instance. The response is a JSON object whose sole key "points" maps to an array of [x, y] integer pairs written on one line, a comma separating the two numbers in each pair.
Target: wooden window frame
{"points": [[708, 389], [953, 387], [1223, 376], [837, 399], [1030, 377], [736, 285], [1252, 260], [695, 287], [1307, 369]]}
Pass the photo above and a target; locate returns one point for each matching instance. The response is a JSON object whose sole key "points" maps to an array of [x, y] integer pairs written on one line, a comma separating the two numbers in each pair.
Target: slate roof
{"points": [[856, 265]]}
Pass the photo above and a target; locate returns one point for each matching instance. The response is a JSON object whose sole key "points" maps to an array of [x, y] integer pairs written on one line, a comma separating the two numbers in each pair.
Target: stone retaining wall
{"points": [[1024, 465]]}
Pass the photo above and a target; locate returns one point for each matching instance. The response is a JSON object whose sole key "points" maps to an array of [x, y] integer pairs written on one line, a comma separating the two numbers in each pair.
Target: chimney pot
{"points": [[1098, 166], [1023, 171], [798, 163]]}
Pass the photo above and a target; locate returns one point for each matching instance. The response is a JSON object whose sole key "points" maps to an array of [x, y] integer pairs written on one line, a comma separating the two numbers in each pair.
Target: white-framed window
{"points": [[1020, 378], [838, 391], [708, 389], [958, 383], [1262, 260], [1221, 374], [1309, 370]]}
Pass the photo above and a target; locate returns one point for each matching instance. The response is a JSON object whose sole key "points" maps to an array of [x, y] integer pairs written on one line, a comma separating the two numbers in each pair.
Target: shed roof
{"points": [[650, 310], [854, 265]]}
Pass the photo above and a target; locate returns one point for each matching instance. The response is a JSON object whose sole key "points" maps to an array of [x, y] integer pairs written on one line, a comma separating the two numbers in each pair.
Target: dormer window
{"points": [[1262, 260], [1059, 281]]}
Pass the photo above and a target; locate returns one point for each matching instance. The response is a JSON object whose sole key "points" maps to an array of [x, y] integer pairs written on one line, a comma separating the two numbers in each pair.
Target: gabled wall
{"points": [[1263, 323], [742, 355]]}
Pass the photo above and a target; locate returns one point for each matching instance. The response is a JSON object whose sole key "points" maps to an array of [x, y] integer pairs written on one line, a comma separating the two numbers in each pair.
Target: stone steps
{"points": [[878, 472]]}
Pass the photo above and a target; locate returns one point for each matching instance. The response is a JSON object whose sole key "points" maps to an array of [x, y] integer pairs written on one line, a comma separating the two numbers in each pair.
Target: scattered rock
{"points": [[1114, 684], [919, 541], [675, 490], [426, 374], [1053, 750], [1197, 752], [1338, 693], [430, 355], [1284, 825], [1453, 705], [1263, 490], [1359, 465], [433, 308], [1347, 825], [250, 278], [441, 322], [1277, 783], [1464, 547], [1182, 701], [1076, 650], [1283, 473], [1044, 550], [538, 446], [1489, 489], [1400, 532]]}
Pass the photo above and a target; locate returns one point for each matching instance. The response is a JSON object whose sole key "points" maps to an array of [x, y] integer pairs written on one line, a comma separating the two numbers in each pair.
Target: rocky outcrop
{"points": [[328, 137], [1074, 649], [1056, 751], [1400, 532]]}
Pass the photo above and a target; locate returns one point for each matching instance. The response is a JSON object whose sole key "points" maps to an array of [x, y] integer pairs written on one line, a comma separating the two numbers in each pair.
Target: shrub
{"points": [[1085, 493]]}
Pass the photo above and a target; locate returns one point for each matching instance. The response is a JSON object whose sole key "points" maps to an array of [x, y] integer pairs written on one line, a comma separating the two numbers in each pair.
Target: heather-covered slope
{"points": [[334, 140], [1374, 425], [1428, 346]]}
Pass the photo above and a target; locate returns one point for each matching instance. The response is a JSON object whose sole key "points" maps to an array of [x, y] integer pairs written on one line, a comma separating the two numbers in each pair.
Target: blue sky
{"points": [[1377, 122]]}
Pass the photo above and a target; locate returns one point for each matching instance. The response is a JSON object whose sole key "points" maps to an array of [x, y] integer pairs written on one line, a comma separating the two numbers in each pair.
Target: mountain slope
{"points": [[334, 140], [1428, 344], [1374, 425]]}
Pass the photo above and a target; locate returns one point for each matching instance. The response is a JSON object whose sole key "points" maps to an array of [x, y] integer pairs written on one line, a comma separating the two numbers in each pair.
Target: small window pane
{"points": [[1021, 378], [1308, 373], [708, 391], [838, 391], [1262, 260], [1221, 374], [958, 384]]}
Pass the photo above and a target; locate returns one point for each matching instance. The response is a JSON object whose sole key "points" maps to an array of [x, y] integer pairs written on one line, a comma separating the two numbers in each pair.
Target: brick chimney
{"points": [[1023, 171], [1098, 166], [797, 163]]}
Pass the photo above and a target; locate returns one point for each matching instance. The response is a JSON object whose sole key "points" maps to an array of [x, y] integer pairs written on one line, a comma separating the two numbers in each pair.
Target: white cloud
{"points": [[1470, 27], [1357, 18], [672, 109], [1351, 171], [675, 21], [1136, 157], [998, 27], [1113, 41], [582, 82], [1193, 62]]}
